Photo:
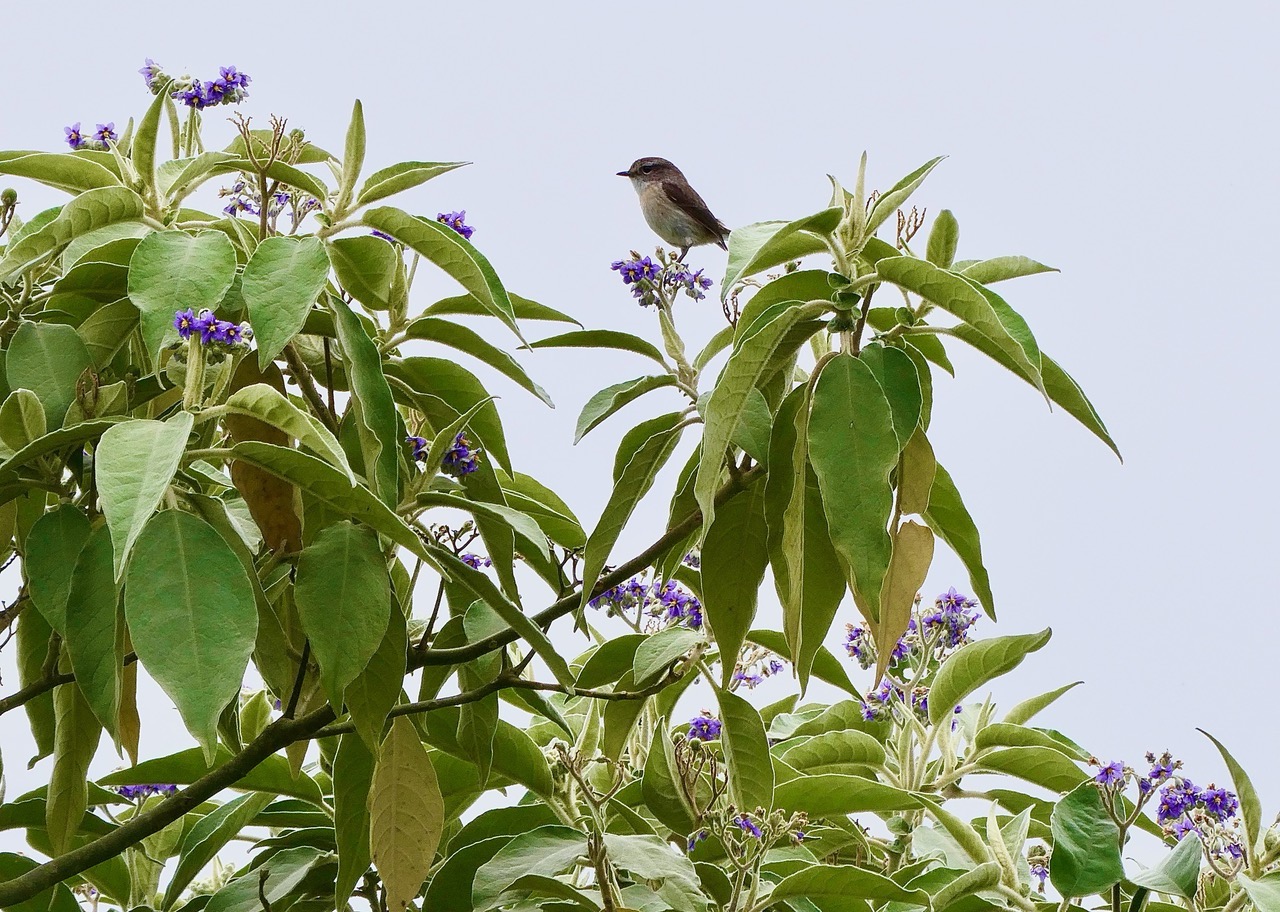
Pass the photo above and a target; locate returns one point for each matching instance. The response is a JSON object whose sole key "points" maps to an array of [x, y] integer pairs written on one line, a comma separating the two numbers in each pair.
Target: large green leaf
{"points": [[833, 794], [53, 544], [603, 338], [406, 814], [1086, 844], [534, 542], [193, 630], [853, 448], [547, 850], [1049, 767], [48, 359], [734, 556], [662, 794], [61, 171], [464, 339], [107, 329], [273, 775], [654, 654], [281, 281], [75, 743], [443, 391], [352, 776], [649, 859], [174, 270], [898, 194], [22, 421], [400, 177], [998, 269], [375, 690], [608, 400], [1250, 803], [630, 485], [133, 464], [278, 878], [375, 410], [951, 522], [977, 663], [753, 355], [208, 836], [88, 211], [897, 376], [1176, 874], [58, 898], [755, 248], [471, 306], [343, 594], [1264, 891], [746, 753], [267, 404], [847, 752], [366, 267], [836, 886], [452, 253], [95, 629]]}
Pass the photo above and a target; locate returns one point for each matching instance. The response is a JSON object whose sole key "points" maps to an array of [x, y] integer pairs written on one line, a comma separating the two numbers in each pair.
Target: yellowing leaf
{"points": [[406, 814]]}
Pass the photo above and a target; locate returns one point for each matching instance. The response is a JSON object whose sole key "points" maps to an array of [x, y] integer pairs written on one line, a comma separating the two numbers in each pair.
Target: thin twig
{"points": [[302, 377]]}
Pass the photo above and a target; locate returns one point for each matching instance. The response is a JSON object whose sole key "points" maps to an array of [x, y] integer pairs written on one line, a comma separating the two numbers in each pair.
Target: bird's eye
{"points": [[645, 169]]}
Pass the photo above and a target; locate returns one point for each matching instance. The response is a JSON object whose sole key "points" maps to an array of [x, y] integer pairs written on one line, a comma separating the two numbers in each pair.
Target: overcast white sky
{"points": [[1130, 145]]}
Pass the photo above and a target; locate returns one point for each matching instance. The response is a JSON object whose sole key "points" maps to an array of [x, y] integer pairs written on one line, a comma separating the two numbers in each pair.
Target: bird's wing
{"points": [[688, 199]]}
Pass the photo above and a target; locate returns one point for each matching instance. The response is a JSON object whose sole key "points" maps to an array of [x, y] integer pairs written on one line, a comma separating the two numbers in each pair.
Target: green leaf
{"points": [[134, 463], [375, 690], [1059, 386], [655, 653], [662, 795], [34, 635], [755, 248], [547, 850], [754, 353], [60, 170], [1264, 891], [1005, 734], [1177, 873], [1025, 711], [838, 885], [375, 409], [746, 754], [325, 483], [272, 776], [343, 594], [208, 836], [467, 340], [533, 541], [450, 887], [452, 253], [951, 522], [998, 269], [400, 177], [57, 898], [898, 194], [1048, 767], [22, 421], [281, 281], [611, 398], [53, 544], [90, 210], [974, 665], [831, 794], [267, 404], [75, 743], [610, 660], [943, 238], [853, 449], [982, 309], [352, 777], [1250, 804], [366, 267], [193, 631], [142, 150], [471, 306], [603, 338], [900, 383], [352, 157], [443, 390], [95, 628], [174, 270], [551, 513], [284, 873], [649, 859], [406, 814], [48, 359], [846, 752], [908, 566], [106, 330], [630, 485], [1086, 844], [734, 556]]}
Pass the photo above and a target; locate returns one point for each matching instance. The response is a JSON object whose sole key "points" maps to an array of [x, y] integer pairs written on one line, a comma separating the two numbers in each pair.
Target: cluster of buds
{"points": [[231, 86], [242, 197], [750, 835], [891, 696], [755, 664], [656, 605], [929, 636], [660, 282]]}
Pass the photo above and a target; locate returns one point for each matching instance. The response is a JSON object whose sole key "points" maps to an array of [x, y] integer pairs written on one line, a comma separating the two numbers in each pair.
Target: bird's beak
{"points": [[624, 174]]}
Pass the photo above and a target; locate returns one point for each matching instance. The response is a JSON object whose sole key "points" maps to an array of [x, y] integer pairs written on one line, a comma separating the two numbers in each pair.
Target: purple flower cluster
{"points": [[696, 838], [476, 561], [101, 140], [952, 617], [945, 628], [138, 792], [695, 284], [705, 727], [693, 559], [460, 459], [210, 328], [231, 86], [456, 221], [243, 198], [420, 446], [879, 703], [668, 602], [642, 275], [753, 678], [1181, 796], [748, 826]]}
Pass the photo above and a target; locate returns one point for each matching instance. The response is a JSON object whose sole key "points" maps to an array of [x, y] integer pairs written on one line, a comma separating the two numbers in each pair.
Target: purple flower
{"points": [[954, 614], [751, 680], [192, 94], [748, 825], [1041, 870], [420, 446], [383, 235], [74, 139], [695, 284], [134, 792], [855, 643], [1176, 799], [798, 836], [1219, 802], [1111, 774], [106, 133], [696, 838], [692, 559], [476, 561], [150, 72], [232, 79], [705, 727], [207, 325], [1183, 827], [460, 459], [233, 333], [184, 322], [456, 221], [633, 271]]}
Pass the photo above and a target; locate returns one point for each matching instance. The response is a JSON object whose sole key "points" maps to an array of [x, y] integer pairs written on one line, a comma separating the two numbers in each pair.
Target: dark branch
{"points": [[302, 377]]}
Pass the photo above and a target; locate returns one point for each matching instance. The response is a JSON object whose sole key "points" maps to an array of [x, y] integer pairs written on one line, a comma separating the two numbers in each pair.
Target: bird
{"points": [[673, 209]]}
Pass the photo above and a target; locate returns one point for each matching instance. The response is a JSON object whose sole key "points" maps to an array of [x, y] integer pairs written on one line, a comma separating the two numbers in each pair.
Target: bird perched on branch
{"points": [[672, 208]]}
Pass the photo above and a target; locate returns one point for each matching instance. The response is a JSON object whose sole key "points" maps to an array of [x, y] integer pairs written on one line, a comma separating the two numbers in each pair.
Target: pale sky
{"points": [[1129, 145]]}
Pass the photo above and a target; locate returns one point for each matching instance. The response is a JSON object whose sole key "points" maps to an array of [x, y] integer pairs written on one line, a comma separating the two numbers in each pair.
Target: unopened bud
{"points": [[8, 197]]}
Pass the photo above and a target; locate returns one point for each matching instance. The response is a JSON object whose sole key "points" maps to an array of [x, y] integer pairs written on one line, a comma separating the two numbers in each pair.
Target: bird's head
{"points": [[648, 170]]}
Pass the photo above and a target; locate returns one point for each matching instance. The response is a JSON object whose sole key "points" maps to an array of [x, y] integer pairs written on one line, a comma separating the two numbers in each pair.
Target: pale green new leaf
{"points": [[400, 177], [611, 398], [208, 836], [898, 194], [174, 270], [281, 281], [1250, 803], [90, 210], [973, 665], [755, 248]]}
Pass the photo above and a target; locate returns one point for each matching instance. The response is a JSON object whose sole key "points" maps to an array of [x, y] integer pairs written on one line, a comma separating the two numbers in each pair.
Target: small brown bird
{"points": [[672, 208]]}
